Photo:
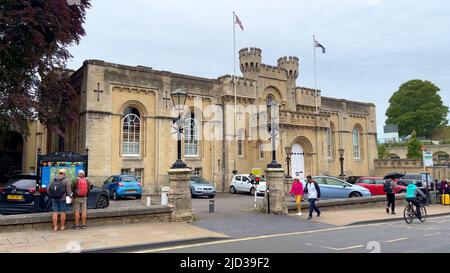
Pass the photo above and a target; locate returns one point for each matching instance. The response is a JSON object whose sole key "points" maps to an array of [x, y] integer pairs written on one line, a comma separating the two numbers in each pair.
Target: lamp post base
{"points": [[179, 164]]}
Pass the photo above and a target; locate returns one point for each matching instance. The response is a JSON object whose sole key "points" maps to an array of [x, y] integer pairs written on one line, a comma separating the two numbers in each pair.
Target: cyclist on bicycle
{"points": [[411, 196]]}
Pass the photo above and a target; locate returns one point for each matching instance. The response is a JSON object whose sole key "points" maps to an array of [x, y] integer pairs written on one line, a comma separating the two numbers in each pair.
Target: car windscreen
{"points": [[199, 180], [128, 179], [21, 183]]}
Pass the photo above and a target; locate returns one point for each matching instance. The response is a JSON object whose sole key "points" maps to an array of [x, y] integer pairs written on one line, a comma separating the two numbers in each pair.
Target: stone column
{"points": [[277, 192], [180, 194]]}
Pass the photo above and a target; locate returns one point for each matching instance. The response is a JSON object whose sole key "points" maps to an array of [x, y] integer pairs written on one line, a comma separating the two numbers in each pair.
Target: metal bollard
{"points": [[211, 205], [148, 201]]}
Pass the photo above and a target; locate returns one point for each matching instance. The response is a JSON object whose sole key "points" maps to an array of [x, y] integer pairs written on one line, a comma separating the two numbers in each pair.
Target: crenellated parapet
{"points": [[244, 87], [290, 65], [250, 59]]}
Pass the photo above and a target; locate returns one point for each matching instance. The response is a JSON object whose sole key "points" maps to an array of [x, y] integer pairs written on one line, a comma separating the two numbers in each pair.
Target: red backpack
{"points": [[82, 187]]}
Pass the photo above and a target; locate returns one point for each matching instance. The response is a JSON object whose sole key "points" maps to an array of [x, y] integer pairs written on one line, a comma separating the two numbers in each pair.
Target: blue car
{"points": [[120, 186], [331, 188]]}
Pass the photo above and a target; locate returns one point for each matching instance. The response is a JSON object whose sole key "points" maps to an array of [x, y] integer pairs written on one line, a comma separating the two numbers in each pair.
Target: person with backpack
{"points": [[390, 188], [58, 190], [80, 191], [313, 190]]}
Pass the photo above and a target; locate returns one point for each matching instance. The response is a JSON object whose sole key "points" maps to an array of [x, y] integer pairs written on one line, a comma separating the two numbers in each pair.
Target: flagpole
{"points": [[234, 70], [234, 84], [315, 74]]}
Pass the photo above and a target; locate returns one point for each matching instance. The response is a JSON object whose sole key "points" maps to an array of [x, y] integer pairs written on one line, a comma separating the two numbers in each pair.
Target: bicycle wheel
{"points": [[423, 214], [408, 214]]}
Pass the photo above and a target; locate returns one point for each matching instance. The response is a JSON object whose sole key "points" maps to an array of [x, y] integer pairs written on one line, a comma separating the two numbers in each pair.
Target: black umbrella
{"points": [[394, 175]]}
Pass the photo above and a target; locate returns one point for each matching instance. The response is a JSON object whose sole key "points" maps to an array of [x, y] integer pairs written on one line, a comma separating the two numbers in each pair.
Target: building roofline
{"points": [[349, 101], [148, 69]]}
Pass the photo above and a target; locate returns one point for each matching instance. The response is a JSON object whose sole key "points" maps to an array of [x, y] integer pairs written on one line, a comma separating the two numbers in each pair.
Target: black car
{"points": [[17, 196]]}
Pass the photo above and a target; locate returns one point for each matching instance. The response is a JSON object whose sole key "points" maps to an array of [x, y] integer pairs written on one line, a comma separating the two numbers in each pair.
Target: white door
{"points": [[298, 161], [246, 184]]}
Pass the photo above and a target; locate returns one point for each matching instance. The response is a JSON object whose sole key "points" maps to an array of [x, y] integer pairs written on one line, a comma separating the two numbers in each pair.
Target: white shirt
{"points": [[312, 192]]}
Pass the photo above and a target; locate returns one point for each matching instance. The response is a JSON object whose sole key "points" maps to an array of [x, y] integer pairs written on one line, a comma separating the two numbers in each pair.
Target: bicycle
{"points": [[410, 212]]}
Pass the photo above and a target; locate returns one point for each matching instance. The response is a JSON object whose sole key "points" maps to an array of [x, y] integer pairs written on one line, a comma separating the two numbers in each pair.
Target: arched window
{"points": [[131, 132], [356, 144], [270, 99], [191, 136]]}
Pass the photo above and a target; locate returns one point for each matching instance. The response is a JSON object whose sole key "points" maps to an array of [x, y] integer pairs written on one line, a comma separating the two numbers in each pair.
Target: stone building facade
{"points": [[126, 121]]}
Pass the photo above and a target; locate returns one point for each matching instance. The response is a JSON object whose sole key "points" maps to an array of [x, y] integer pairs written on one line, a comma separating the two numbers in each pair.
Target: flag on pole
{"points": [[237, 21], [317, 44]]}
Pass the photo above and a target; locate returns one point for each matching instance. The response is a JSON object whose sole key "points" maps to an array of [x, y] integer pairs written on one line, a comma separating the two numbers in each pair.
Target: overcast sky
{"points": [[372, 46]]}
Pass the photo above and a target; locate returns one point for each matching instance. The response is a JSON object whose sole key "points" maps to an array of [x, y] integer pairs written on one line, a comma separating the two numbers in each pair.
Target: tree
{"points": [[382, 151], [34, 35], [416, 105], [414, 147]]}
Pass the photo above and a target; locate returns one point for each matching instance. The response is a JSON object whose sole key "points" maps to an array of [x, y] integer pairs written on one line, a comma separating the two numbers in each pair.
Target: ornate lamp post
{"points": [[341, 159], [273, 110], [179, 100], [288, 161]]}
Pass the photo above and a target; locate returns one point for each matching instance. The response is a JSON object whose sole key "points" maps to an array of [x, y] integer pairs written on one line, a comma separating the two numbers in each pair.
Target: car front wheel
{"points": [[233, 189], [252, 191], [355, 194], [102, 202]]}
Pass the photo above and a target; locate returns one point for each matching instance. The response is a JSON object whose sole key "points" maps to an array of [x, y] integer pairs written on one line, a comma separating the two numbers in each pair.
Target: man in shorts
{"points": [[80, 190]]}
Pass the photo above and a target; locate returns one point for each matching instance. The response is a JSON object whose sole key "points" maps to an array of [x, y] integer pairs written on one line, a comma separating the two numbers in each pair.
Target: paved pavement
{"points": [[101, 237], [398, 237]]}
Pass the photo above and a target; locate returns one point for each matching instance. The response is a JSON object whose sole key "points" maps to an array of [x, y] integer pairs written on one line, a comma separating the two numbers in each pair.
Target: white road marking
{"points": [[431, 234], [396, 240], [262, 237], [334, 248], [257, 238]]}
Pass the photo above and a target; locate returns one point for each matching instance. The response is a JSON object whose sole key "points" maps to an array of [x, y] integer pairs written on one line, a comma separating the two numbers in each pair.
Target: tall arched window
{"points": [[356, 144], [131, 132], [191, 136]]}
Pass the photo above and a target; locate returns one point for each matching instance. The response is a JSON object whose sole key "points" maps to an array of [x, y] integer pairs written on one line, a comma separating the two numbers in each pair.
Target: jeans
{"points": [[391, 201], [312, 207]]}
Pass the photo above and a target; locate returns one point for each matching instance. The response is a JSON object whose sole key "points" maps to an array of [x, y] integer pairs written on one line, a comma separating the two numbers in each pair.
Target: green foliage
{"points": [[416, 105], [382, 151], [414, 147]]}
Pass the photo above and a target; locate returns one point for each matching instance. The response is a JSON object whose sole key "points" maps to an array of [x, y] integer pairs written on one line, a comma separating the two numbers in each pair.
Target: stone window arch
{"points": [[191, 136], [357, 142], [131, 132]]}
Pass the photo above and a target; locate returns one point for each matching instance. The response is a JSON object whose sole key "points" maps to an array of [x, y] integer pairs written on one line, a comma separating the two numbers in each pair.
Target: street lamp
{"points": [[341, 159], [179, 100], [288, 161], [273, 107]]}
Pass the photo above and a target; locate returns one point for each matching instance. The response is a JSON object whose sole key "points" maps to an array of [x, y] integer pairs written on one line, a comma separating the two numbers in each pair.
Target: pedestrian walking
{"points": [[313, 190], [390, 187], [58, 190], [80, 190], [297, 192]]}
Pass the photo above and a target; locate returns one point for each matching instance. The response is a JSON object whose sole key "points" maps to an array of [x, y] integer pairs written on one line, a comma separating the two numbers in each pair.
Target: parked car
{"points": [[353, 179], [331, 187], [17, 197], [415, 178], [201, 187], [244, 183], [376, 185], [120, 186]]}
